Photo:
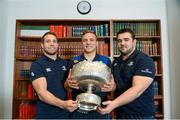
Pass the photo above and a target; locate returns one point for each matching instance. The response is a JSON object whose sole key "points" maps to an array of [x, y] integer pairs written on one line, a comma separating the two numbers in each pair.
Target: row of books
{"points": [[63, 30], [29, 51], [157, 106], [66, 50], [140, 29], [25, 65], [24, 73], [147, 47], [76, 31], [156, 87], [116, 48], [26, 110], [25, 90], [157, 67]]}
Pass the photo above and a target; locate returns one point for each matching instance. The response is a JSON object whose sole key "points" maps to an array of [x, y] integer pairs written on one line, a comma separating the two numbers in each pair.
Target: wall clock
{"points": [[84, 7]]}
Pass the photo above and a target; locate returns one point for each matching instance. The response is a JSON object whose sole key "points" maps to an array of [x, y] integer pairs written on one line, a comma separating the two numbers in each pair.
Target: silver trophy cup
{"points": [[91, 76]]}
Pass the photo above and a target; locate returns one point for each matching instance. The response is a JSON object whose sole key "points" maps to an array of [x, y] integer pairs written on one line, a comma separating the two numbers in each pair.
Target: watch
{"points": [[84, 7]]}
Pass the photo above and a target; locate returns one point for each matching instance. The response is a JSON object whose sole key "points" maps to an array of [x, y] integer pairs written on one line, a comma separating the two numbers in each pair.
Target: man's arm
{"points": [[142, 79], [40, 85], [139, 85]]}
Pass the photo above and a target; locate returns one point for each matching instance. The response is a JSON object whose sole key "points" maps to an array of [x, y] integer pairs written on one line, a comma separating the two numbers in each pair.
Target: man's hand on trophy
{"points": [[70, 105], [109, 86], [71, 82], [109, 106]]}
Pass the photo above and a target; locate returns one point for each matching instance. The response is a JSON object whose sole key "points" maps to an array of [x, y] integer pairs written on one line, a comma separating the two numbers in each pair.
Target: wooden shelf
{"points": [[153, 56], [22, 79], [158, 97], [26, 99], [147, 37], [64, 39], [158, 115], [144, 37], [26, 58], [159, 75]]}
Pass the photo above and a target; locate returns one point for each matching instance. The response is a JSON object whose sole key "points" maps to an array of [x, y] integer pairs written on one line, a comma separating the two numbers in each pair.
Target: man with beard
{"points": [[133, 73], [48, 74], [89, 43]]}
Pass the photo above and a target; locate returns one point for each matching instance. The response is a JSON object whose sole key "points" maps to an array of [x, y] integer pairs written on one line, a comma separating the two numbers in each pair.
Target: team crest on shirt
{"points": [[130, 63], [75, 61], [115, 64], [48, 70], [64, 68]]}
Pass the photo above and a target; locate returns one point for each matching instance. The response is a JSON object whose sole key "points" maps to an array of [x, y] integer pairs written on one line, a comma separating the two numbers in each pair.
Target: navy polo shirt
{"points": [[103, 95], [138, 64], [55, 72]]}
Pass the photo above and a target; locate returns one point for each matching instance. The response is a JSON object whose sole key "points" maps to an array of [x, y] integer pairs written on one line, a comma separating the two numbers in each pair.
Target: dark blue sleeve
{"points": [[109, 64], [75, 60], [106, 61], [145, 67], [36, 71], [70, 64]]}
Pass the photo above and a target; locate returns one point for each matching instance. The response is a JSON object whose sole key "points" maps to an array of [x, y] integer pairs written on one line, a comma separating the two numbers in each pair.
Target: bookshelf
{"points": [[27, 49]]}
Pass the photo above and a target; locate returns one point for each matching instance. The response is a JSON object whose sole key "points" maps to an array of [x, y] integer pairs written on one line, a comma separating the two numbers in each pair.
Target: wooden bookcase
{"points": [[27, 49]]}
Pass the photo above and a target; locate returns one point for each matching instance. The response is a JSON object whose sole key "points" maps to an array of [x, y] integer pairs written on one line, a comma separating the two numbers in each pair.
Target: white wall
{"points": [[66, 9], [2, 54], [173, 8], [1, 79]]}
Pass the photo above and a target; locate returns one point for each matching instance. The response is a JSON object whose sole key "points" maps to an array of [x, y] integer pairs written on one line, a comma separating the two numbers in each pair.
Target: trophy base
{"points": [[88, 102]]}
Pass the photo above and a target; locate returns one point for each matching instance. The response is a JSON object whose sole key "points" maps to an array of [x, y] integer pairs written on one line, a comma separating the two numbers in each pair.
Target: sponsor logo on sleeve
{"points": [[146, 71], [32, 74], [75, 61]]}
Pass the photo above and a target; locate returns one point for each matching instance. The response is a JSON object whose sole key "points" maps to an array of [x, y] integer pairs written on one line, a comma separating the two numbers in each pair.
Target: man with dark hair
{"points": [[133, 73], [48, 74]]}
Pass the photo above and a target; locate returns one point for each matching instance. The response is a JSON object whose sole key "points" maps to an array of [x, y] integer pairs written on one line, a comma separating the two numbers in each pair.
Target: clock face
{"points": [[84, 7]]}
